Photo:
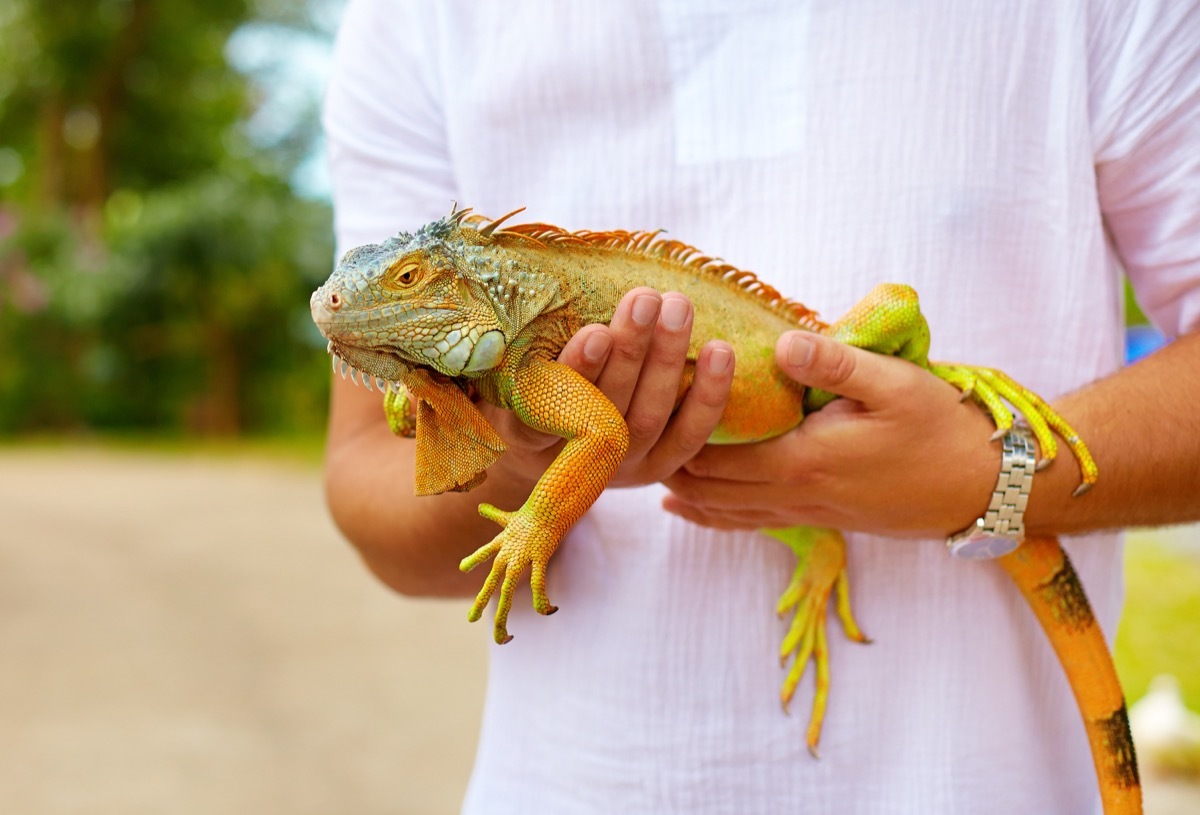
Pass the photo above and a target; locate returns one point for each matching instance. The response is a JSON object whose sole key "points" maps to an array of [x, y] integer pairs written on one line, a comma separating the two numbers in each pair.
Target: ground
{"points": [[186, 633]]}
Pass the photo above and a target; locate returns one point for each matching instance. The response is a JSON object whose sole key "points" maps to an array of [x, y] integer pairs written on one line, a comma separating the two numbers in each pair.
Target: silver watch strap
{"points": [[1006, 512], [1002, 527]]}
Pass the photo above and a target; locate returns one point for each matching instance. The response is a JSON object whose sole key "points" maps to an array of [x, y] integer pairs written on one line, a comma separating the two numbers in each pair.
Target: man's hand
{"points": [[637, 361], [898, 454]]}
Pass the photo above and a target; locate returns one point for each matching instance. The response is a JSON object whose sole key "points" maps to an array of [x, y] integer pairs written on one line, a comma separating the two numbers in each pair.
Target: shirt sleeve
{"points": [[384, 126], [1145, 102]]}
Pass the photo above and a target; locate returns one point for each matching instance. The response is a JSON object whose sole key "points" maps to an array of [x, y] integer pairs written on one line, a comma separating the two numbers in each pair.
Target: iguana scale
{"points": [[466, 309]]}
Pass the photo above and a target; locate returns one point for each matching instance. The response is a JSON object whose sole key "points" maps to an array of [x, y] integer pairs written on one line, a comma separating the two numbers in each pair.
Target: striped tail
{"points": [[1044, 574]]}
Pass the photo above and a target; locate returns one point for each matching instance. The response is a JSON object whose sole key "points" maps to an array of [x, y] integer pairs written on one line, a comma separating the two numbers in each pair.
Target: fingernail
{"points": [[674, 313], [595, 349], [719, 359], [800, 351], [645, 309]]}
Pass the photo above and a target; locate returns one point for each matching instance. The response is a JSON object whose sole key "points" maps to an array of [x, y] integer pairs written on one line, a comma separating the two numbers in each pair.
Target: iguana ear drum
{"points": [[464, 291]]}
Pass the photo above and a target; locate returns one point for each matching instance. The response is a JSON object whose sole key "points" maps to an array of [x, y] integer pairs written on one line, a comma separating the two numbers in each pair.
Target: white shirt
{"points": [[1001, 157]]}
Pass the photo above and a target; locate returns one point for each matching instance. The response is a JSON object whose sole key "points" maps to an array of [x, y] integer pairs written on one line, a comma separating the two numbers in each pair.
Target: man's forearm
{"points": [[901, 455], [1143, 427]]}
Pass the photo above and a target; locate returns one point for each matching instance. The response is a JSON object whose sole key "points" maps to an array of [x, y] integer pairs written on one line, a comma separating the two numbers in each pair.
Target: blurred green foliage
{"points": [[155, 262], [1133, 310], [1160, 626]]}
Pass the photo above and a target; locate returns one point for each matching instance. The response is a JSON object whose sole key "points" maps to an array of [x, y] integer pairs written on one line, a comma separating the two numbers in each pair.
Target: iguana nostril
{"points": [[334, 301]]}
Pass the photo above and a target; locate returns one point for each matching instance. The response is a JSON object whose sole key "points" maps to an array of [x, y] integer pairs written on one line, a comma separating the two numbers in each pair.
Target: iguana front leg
{"points": [[399, 412], [552, 398]]}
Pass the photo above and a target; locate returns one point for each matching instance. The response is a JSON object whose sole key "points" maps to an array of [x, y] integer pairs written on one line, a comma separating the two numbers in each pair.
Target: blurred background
{"points": [[163, 216], [181, 628]]}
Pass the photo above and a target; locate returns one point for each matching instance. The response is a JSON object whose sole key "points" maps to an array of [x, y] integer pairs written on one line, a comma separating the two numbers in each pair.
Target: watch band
{"points": [[1001, 528]]}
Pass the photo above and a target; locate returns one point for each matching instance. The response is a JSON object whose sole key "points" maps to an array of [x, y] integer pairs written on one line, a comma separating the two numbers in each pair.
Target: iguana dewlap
{"points": [[465, 309]]}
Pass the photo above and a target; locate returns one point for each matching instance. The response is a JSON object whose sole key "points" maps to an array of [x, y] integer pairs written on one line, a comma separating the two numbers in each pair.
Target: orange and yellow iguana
{"points": [[466, 309]]}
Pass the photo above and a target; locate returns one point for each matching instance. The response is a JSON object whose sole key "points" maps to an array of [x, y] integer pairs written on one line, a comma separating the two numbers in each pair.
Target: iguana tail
{"points": [[1044, 574]]}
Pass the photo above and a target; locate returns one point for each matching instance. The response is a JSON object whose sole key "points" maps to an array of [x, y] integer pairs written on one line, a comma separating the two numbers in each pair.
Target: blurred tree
{"points": [[155, 263], [211, 328], [118, 93]]}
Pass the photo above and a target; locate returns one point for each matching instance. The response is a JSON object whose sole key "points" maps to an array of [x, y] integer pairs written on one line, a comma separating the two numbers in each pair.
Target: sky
{"points": [[291, 67]]}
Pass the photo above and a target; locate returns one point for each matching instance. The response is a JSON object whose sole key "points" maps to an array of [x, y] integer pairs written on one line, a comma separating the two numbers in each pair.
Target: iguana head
{"points": [[413, 300]]}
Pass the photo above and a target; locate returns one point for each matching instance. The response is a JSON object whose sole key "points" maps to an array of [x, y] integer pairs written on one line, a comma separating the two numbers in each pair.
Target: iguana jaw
{"points": [[349, 344], [381, 365]]}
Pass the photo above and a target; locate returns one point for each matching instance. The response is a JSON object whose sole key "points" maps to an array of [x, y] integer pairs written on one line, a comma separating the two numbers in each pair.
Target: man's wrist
{"points": [[1000, 529]]}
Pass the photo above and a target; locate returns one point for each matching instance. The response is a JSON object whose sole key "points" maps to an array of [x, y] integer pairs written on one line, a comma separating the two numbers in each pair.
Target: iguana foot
{"points": [[820, 571], [889, 321], [524, 543], [398, 409], [991, 388]]}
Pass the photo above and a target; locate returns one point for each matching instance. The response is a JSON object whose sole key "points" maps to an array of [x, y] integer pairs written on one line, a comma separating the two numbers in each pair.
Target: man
{"points": [[1001, 158]]}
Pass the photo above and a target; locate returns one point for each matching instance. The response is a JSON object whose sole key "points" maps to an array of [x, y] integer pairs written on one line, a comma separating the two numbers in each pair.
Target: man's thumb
{"points": [[828, 365]]}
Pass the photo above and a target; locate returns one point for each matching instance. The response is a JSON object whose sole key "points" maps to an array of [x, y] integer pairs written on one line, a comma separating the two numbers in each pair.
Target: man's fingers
{"points": [[829, 365], [703, 518], [758, 463], [587, 351], [658, 382], [700, 412], [632, 328], [717, 494], [725, 519]]}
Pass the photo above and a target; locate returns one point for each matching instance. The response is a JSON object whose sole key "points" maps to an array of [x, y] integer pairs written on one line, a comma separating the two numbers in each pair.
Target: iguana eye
{"points": [[407, 274]]}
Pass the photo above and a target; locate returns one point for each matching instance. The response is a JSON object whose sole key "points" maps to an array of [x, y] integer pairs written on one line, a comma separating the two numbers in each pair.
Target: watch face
{"points": [[983, 547]]}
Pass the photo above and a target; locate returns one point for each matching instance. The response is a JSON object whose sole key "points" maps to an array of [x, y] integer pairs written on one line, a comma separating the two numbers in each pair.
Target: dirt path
{"points": [[189, 635]]}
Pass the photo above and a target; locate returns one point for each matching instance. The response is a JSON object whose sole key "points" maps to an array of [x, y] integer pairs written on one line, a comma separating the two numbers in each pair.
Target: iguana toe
{"points": [[820, 572]]}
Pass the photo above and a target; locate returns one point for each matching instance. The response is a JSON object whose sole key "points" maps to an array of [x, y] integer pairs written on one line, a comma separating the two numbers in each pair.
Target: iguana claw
{"points": [[991, 388], [820, 571], [522, 544]]}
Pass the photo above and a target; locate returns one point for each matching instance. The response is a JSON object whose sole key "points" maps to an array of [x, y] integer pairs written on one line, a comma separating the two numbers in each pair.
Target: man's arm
{"points": [[1142, 425], [900, 455], [414, 545]]}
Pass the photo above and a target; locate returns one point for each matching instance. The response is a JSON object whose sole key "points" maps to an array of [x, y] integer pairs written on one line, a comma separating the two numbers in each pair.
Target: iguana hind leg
{"points": [[989, 387], [820, 571], [889, 321]]}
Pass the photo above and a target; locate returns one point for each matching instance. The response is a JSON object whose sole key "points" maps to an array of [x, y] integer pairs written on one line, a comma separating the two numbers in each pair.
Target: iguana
{"points": [[466, 309]]}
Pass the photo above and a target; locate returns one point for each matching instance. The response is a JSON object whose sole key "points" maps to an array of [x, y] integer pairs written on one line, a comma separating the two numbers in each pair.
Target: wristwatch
{"points": [[1001, 529]]}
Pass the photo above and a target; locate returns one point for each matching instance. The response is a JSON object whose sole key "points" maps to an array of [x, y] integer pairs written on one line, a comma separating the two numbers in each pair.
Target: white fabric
{"points": [[957, 145]]}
